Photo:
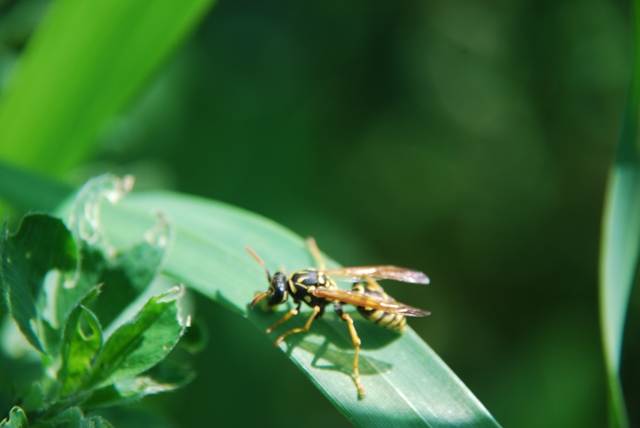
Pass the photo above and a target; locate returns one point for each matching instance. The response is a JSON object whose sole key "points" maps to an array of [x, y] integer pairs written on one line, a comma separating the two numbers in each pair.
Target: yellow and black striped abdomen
{"points": [[384, 319]]}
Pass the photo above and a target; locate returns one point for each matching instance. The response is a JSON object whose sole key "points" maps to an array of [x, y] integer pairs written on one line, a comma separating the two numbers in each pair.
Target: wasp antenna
{"points": [[315, 252], [260, 297], [259, 260]]}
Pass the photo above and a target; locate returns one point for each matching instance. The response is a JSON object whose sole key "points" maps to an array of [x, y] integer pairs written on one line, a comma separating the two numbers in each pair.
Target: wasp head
{"points": [[278, 289]]}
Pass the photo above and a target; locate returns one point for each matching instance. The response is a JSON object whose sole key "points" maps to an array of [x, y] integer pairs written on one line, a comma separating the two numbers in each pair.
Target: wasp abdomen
{"points": [[384, 319]]}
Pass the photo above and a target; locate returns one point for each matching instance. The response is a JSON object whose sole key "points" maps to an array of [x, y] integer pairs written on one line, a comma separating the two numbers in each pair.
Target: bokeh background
{"points": [[468, 139]]}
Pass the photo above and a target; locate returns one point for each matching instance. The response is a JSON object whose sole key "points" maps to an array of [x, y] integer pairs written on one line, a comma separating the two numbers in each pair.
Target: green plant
{"points": [[53, 114], [84, 307], [405, 380]]}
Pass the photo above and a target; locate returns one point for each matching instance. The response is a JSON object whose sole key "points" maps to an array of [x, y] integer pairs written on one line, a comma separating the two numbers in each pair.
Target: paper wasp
{"points": [[316, 288]]}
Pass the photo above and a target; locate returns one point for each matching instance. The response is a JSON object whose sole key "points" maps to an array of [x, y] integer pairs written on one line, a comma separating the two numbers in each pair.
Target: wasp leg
{"points": [[315, 252], [284, 319], [356, 343], [307, 326]]}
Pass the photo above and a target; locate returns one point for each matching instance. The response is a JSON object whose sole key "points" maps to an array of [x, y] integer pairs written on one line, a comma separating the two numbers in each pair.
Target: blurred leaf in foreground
{"points": [[620, 245], [65, 89]]}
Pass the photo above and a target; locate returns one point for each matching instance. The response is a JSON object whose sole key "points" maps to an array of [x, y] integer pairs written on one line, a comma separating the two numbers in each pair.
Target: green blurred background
{"points": [[467, 139]]}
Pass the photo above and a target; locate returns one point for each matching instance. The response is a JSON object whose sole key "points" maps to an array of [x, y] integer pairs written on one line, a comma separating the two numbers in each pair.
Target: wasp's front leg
{"points": [[307, 326]]}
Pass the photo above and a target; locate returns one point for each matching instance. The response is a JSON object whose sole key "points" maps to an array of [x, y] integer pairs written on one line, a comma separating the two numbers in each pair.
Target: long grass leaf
{"points": [[621, 239], [82, 66], [406, 383]]}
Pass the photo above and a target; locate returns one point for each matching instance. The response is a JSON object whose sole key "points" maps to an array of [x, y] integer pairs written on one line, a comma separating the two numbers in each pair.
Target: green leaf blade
{"points": [[163, 377], [29, 191], [17, 419], [40, 244], [81, 341], [403, 378], [83, 65], [141, 343], [74, 418], [620, 253], [620, 241]]}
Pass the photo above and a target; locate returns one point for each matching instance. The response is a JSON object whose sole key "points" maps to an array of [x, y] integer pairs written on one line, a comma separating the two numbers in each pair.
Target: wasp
{"points": [[317, 288]]}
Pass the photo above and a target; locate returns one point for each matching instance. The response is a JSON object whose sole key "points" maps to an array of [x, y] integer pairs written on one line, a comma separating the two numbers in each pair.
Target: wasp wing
{"points": [[369, 301], [378, 272]]}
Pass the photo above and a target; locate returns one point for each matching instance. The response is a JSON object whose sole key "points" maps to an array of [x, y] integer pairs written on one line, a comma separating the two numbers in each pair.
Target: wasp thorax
{"points": [[278, 289]]}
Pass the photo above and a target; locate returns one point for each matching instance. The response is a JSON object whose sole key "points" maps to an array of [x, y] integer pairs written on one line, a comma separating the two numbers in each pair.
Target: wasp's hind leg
{"points": [[307, 326], [356, 342]]}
